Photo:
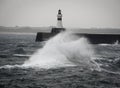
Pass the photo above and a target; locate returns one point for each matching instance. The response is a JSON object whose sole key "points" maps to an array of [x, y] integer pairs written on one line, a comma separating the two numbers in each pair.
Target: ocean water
{"points": [[65, 61]]}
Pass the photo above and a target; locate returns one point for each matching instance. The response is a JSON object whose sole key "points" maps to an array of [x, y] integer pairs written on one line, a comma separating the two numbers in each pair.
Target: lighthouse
{"points": [[59, 19], [41, 36]]}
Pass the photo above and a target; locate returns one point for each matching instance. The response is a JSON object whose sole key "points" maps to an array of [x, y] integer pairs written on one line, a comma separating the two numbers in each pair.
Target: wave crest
{"points": [[65, 49]]}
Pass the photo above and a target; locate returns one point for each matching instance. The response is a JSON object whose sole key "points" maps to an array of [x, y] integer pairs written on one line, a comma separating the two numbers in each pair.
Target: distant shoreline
{"points": [[32, 30]]}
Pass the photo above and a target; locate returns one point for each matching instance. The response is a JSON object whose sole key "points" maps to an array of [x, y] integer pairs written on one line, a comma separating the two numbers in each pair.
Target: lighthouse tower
{"points": [[59, 19]]}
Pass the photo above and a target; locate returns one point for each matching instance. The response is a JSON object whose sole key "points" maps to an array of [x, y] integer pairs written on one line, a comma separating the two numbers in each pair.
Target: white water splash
{"points": [[11, 66], [113, 44], [65, 49]]}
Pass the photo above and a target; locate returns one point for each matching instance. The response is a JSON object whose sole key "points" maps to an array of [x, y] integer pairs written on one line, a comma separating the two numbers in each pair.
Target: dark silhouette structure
{"points": [[94, 38], [41, 36], [102, 38]]}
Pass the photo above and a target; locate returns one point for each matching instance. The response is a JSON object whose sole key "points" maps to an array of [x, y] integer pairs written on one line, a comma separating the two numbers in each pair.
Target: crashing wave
{"points": [[65, 49]]}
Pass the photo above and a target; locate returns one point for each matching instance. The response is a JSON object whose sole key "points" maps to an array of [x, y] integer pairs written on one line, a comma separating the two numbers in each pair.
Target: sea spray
{"points": [[65, 49]]}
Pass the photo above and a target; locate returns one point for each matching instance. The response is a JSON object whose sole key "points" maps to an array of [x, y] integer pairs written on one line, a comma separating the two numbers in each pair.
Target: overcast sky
{"points": [[76, 13]]}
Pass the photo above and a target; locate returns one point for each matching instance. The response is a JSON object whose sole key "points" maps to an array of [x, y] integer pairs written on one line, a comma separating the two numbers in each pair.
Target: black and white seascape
{"points": [[81, 51], [64, 61]]}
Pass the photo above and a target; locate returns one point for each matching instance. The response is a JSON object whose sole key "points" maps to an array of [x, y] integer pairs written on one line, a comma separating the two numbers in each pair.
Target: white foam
{"points": [[65, 49], [21, 55], [11, 66]]}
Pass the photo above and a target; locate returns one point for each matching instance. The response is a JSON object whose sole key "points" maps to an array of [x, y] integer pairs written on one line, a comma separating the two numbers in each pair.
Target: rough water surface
{"points": [[15, 50]]}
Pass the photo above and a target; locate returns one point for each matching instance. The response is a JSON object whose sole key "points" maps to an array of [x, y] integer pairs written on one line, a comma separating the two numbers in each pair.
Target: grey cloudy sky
{"points": [[76, 13]]}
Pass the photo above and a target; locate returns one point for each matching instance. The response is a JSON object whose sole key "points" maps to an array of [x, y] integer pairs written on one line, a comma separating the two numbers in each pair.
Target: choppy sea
{"points": [[15, 49]]}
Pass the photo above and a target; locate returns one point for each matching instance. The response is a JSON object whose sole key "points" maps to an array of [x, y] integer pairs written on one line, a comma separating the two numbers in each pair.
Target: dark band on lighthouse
{"points": [[59, 18]]}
